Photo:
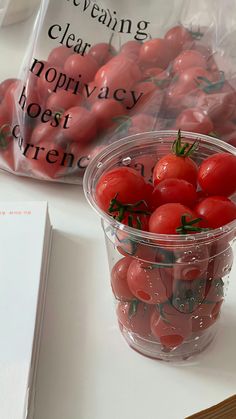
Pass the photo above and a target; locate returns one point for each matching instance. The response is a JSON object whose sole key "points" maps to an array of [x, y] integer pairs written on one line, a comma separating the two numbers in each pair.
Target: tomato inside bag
{"points": [[92, 73]]}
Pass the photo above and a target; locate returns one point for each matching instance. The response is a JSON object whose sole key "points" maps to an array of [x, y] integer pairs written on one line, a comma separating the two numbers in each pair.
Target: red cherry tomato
{"points": [[149, 284], [63, 100], [151, 98], [194, 120], [201, 323], [190, 263], [106, 112], [11, 96], [175, 191], [217, 174], [59, 55], [121, 72], [135, 317], [154, 73], [218, 104], [188, 295], [176, 166], [156, 52], [193, 76], [179, 96], [141, 123], [124, 183], [166, 219], [81, 65], [82, 125], [187, 59], [44, 166], [102, 52], [178, 37], [170, 335], [119, 280], [131, 48], [220, 264], [43, 133], [214, 290], [216, 211], [4, 85]]}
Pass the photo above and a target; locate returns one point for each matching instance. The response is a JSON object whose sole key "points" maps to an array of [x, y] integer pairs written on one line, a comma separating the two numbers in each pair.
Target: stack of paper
{"points": [[25, 241]]}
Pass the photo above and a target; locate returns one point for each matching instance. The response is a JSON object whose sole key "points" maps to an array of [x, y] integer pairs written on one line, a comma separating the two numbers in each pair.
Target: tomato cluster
{"points": [[168, 290], [72, 102]]}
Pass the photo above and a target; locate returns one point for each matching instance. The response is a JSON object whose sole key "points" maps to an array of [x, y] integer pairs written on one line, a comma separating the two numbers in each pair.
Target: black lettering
{"points": [[27, 148], [71, 159], [95, 7], [41, 67], [86, 4], [140, 35], [116, 97], [83, 162], [85, 47], [14, 131], [24, 98], [67, 117], [37, 152], [46, 116], [56, 120], [53, 153], [104, 93], [60, 82], [51, 29], [72, 38], [65, 33], [123, 22], [89, 92], [54, 72], [32, 114], [103, 17]]}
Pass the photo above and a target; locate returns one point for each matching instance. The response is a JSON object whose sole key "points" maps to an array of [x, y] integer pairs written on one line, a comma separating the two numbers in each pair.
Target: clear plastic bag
{"points": [[95, 72]]}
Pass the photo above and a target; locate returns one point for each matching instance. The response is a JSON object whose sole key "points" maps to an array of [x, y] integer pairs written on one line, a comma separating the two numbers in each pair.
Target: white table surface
{"points": [[86, 370]]}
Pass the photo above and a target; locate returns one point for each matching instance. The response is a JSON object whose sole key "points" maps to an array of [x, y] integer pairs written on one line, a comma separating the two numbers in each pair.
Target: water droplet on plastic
{"points": [[126, 161], [99, 165]]}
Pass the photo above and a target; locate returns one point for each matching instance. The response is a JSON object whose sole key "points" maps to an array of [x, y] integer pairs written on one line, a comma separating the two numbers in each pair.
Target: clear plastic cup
{"points": [[187, 275]]}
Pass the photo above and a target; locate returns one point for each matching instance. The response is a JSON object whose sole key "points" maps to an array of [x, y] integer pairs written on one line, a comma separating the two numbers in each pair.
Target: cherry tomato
{"points": [[193, 76], [149, 284], [218, 104], [41, 165], [144, 165], [232, 139], [45, 87], [135, 317], [124, 183], [59, 55], [178, 37], [178, 165], [141, 123], [194, 120], [102, 52], [167, 218], [154, 73], [81, 65], [175, 191], [187, 59], [188, 295], [179, 96], [220, 264], [121, 72], [214, 290], [156, 52], [43, 133], [106, 112], [62, 100], [11, 96], [4, 85], [119, 280], [216, 211], [131, 48], [217, 174], [151, 98], [82, 125], [190, 264], [201, 323], [171, 336]]}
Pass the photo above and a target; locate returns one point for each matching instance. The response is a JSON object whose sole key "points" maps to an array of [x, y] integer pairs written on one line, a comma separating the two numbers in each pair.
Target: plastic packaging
{"points": [[95, 72], [182, 279]]}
